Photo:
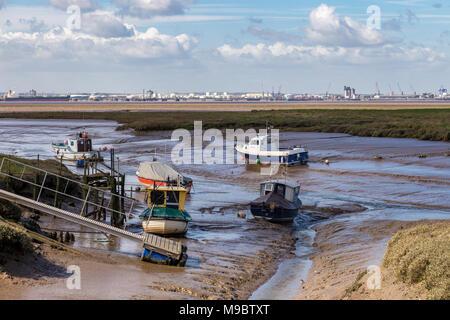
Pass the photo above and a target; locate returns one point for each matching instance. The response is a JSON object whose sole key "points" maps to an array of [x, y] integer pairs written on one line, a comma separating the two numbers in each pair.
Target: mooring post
{"points": [[122, 193], [95, 206], [115, 203], [103, 210]]}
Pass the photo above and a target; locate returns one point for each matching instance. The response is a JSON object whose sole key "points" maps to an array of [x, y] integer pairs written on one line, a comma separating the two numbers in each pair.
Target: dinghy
{"points": [[161, 174]]}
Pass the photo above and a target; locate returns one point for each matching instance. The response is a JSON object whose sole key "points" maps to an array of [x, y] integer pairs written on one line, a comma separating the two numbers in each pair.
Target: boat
{"points": [[259, 151], [74, 149], [32, 96], [165, 214], [158, 174], [278, 201]]}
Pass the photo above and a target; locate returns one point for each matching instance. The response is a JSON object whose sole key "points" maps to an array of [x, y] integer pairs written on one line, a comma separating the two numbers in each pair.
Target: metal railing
{"points": [[25, 170]]}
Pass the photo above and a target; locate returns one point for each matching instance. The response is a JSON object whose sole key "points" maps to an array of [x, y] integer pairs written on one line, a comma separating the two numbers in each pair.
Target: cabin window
{"points": [[268, 188], [157, 197], [173, 199], [280, 189], [289, 194], [80, 146]]}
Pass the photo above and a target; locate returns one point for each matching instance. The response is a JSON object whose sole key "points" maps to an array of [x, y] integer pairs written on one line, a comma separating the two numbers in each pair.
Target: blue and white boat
{"points": [[74, 149], [265, 150], [278, 202]]}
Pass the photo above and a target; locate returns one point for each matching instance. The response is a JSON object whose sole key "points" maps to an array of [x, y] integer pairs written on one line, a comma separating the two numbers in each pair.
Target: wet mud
{"points": [[366, 180]]}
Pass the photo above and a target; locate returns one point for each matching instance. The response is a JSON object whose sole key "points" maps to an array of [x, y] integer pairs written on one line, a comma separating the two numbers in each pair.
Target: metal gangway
{"points": [[27, 186]]}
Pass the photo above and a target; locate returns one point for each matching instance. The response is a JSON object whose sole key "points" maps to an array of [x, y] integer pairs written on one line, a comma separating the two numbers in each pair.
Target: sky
{"points": [[302, 46]]}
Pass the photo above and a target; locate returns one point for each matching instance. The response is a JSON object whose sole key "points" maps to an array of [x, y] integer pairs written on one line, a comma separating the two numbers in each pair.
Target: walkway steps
{"points": [[167, 247]]}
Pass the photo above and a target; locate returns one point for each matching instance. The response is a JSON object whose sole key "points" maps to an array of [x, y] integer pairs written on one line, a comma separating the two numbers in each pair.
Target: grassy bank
{"points": [[422, 255], [14, 239], [424, 124], [35, 176]]}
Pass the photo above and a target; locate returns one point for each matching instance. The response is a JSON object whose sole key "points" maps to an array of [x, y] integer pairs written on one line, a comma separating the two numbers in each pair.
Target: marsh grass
{"points": [[424, 124], [422, 255], [14, 240]]}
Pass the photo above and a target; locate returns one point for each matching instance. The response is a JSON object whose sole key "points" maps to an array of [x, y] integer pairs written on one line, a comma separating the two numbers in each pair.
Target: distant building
{"points": [[349, 93]]}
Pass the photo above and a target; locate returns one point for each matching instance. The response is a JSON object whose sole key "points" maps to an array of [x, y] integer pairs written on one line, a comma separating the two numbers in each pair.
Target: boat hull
{"points": [[273, 214], [149, 183], [165, 226], [301, 158], [71, 156], [61, 152]]}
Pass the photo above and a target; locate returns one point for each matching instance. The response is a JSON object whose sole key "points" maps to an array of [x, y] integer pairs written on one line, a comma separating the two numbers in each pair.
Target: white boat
{"points": [[74, 149], [265, 149]]}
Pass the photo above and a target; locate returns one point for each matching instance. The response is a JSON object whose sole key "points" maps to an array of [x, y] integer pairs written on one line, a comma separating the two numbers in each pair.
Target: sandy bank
{"points": [[344, 252], [209, 274]]}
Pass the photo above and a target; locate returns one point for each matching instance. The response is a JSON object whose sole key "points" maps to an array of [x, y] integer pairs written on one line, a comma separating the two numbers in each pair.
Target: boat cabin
{"points": [[81, 144], [287, 189], [263, 143], [167, 196]]}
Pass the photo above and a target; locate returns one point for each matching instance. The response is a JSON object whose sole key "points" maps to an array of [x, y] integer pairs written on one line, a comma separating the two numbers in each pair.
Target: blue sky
{"points": [[210, 45]]}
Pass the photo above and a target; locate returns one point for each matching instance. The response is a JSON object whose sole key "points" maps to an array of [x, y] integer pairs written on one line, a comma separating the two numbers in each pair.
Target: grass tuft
{"points": [[14, 240], [422, 255]]}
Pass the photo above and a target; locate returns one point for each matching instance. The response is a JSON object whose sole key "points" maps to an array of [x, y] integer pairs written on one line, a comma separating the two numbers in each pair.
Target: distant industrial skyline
{"points": [[234, 46]]}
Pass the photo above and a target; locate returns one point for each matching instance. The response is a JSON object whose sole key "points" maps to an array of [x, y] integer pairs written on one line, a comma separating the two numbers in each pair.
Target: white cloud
{"points": [[327, 28], [105, 25], [151, 8], [85, 5], [2, 3], [330, 39], [282, 53], [61, 46]]}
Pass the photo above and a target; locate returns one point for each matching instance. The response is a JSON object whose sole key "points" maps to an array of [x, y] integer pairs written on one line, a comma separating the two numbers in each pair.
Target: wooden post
{"points": [[103, 211], [122, 193], [96, 213], [84, 189], [115, 203], [55, 201]]}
